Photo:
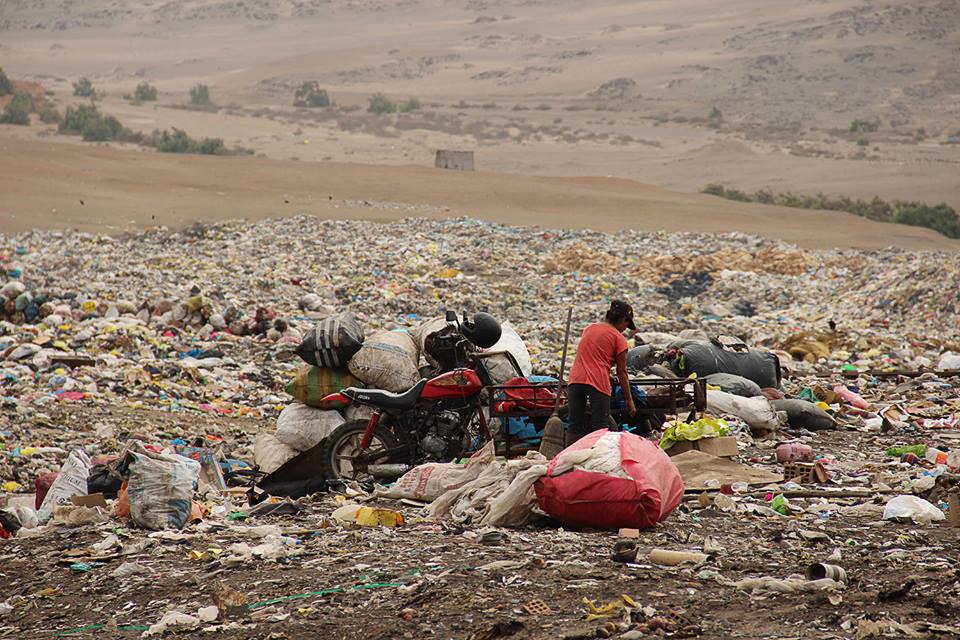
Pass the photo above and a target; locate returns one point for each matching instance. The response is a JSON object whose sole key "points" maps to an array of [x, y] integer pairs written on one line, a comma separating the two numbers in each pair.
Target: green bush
{"points": [[86, 121], [864, 126], [50, 115], [102, 129], [862, 142], [178, 141], [200, 95], [6, 87], [76, 118], [84, 88], [145, 92], [18, 111], [311, 95], [940, 217], [409, 105], [381, 104]]}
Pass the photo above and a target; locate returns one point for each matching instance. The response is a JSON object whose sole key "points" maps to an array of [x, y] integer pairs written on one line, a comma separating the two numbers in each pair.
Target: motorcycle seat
{"points": [[386, 399]]}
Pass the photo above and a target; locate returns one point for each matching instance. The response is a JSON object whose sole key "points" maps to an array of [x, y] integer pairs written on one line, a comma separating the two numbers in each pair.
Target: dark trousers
{"points": [[578, 395]]}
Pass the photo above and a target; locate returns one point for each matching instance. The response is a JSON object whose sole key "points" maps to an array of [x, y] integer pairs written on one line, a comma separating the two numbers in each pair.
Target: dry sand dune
{"points": [[92, 188]]}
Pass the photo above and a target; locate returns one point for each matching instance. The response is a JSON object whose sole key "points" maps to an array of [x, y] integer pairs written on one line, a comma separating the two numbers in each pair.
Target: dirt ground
{"points": [[90, 188], [426, 579]]}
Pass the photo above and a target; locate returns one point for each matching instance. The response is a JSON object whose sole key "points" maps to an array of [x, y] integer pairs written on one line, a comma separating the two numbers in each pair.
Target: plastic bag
{"points": [[641, 357], [269, 454], [705, 427], [160, 488], [758, 412], [804, 415], [609, 480], [501, 496], [499, 366], [732, 383], [388, 360], [312, 384], [428, 481], [302, 427], [71, 481], [705, 358], [914, 508], [332, 342]]}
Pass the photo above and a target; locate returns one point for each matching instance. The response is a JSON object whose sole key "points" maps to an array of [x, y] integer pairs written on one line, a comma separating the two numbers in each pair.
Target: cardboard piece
{"points": [[91, 501], [697, 467], [723, 447]]}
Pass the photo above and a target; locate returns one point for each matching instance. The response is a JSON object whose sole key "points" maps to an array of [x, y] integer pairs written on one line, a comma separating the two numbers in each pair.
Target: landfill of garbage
{"points": [[169, 397]]}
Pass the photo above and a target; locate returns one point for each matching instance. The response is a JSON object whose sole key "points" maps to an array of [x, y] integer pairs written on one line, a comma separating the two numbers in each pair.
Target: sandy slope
{"points": [[60, 185]]}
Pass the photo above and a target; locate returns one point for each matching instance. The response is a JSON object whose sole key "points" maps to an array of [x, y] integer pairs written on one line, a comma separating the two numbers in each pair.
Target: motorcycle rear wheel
{"points": [[342, 457]]}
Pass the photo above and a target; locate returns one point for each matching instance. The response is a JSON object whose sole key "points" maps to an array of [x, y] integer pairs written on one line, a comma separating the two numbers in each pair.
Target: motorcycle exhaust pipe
{"points": [[388, 470]]}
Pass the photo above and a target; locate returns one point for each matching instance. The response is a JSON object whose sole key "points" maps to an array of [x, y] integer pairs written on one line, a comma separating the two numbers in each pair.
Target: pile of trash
{"points": [[148, 382]]}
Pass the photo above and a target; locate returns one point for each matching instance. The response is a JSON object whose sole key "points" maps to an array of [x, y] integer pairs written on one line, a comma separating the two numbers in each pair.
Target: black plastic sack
{"points": [[706, 358], [640, 357], [332, 342], [805, 415], [732, 383], [105, 479]]}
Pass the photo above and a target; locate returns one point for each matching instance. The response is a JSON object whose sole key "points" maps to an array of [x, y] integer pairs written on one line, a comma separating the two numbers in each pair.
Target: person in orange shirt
{"points": [[601, 346]]}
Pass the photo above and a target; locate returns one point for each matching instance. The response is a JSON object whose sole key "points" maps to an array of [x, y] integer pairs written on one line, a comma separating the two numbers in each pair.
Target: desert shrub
{"points": [[145, 92], [102, 129], [76, 118], [409, 105], [381, 104], [93, 126], [940, 217], [18, 111], [863, 126], [84, 88], [49, 115], [178, 141], [715, 115], [6, 87], [862, 142], [200, 95], [311, 95]]}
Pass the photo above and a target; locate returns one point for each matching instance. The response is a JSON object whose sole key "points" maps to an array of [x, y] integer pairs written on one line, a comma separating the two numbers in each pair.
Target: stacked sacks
{"points": [[340, 357]]}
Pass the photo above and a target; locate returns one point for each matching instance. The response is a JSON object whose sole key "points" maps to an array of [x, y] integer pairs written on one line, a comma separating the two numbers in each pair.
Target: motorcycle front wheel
{"points": [[342, 456]]}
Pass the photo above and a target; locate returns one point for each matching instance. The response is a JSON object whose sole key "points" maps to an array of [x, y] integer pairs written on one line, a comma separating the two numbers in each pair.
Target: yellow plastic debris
{"points": [[614, 608], [11, 486]]}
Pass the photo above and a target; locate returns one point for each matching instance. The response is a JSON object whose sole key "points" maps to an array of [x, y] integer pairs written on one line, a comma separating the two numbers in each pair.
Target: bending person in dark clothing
{"points": [[601, 346]]}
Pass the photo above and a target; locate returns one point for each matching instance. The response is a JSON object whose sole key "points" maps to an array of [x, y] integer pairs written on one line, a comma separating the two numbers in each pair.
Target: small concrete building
{"points": [[456, 160]]}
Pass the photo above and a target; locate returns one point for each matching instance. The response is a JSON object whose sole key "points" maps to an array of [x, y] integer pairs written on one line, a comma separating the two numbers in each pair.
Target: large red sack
{"points": [[602, 500], [42, 484]]}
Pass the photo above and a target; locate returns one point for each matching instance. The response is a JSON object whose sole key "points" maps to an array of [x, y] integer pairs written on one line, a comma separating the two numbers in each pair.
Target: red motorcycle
{"points": [[438, 419]]}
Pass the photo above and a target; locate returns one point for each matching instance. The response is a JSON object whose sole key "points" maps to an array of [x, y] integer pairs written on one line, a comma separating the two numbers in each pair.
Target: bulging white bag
{"points": [[71, 481], [500, 367], [757, 412], [388, 360], [269, 454], [160, 488], [301, 427]]}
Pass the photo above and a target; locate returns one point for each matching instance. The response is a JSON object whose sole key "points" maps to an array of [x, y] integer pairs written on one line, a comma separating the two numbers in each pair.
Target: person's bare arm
{"points": [[625, 382]]}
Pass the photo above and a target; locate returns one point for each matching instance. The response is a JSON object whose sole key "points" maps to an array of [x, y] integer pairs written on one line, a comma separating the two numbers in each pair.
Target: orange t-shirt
{"points": [[599, 347]]}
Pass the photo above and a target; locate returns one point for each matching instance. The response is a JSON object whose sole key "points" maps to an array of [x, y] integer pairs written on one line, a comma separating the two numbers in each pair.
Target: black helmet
{"points": [[483, 330]]}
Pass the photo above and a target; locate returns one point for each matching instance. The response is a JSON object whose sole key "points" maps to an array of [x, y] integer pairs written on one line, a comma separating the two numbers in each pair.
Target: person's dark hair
{"points": [[620, 310]]}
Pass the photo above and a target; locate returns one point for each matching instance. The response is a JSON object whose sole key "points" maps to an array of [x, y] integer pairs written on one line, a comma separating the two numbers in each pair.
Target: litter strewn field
{"points": [[186, 340]]}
